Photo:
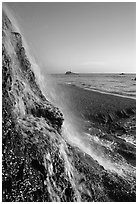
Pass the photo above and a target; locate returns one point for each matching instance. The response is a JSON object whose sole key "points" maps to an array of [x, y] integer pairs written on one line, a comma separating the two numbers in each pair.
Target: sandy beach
{"points": [[94, 104]]}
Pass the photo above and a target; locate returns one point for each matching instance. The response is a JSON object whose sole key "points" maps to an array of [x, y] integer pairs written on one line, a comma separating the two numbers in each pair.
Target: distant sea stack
{"points": [[70, 73]]}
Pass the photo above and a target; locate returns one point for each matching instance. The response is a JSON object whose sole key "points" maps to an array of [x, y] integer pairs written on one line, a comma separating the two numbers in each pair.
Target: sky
{"points": [[83, 37]]}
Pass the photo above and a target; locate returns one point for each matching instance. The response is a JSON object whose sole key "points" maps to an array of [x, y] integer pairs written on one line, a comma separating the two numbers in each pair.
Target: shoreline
{"points": [[94, 104], [100, 91], [109, 93]]}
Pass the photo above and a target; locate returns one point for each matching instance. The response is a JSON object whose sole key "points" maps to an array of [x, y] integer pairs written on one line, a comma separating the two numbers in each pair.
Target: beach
{"points": [[95, 105], [109, 118]]}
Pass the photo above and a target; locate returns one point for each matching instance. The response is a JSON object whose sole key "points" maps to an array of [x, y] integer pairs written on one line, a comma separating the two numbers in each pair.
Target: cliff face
{"points": [[31, 128]]}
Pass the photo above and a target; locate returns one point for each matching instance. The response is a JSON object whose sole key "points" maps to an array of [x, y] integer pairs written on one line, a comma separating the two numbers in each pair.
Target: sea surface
{"points": [[117, 84], [82, 130], [123, 85], [91, 125]]}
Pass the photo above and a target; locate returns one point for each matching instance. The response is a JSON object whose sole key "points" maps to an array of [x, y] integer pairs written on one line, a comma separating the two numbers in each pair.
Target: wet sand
{"points": [[92, 104]]}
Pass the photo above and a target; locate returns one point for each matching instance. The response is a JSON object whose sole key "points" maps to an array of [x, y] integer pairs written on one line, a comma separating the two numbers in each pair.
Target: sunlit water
{"points": [[124, 85]]}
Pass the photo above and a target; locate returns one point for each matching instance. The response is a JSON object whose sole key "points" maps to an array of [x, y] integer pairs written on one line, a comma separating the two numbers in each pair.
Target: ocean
{"points": [[112, 83], [99, 113]]}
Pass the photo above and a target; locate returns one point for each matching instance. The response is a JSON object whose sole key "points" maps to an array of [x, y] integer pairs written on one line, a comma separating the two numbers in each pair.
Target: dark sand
{"points": [[92, 103]]}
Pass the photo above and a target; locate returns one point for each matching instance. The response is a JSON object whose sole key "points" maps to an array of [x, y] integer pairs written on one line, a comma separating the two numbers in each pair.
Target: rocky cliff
{"points": [[38, 163], [32, 161]]}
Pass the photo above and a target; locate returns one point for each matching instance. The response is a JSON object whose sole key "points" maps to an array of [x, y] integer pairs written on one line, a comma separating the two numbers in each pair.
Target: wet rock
{"points": [[24, 145]]}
